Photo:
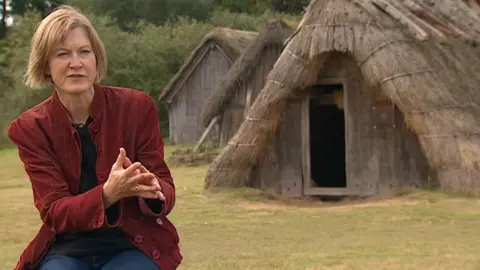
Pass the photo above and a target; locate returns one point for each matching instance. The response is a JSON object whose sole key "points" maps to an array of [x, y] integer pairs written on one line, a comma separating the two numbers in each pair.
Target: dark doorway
{"points": [[327, 137]]}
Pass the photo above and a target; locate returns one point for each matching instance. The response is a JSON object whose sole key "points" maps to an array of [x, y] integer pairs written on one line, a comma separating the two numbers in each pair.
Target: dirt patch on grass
{"points": [[315, 205], [387, 203], [259, 206], [255, 199], [186, 157]]}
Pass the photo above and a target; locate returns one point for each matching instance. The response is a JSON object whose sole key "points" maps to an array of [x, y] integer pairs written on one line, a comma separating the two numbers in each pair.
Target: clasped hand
{"points": [[127, 179]]}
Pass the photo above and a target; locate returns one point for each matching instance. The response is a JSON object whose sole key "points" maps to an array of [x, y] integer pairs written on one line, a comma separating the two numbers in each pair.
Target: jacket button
{"points": [[101, 176], [156, 254], [95, 127], [159, 221], [138, 238]]}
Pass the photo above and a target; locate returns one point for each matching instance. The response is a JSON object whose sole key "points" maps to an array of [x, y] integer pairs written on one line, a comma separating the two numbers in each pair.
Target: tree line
{"points": [[128, 12], [146, 40]]}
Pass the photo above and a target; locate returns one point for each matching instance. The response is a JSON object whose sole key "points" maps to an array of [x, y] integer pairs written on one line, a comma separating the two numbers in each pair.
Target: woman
{"points": [[99, 211]]}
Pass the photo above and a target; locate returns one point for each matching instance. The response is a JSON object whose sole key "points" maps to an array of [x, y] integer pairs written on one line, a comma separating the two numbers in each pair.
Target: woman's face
{"points": [[72, 65]]}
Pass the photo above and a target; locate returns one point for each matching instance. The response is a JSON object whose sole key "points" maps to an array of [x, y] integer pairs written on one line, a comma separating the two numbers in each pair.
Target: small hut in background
{"points": [[235, 92], [369, 97], [193, 83]]}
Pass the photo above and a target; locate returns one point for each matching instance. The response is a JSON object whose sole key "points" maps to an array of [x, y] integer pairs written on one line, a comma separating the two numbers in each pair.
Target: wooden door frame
{"points": [[308, 189]]}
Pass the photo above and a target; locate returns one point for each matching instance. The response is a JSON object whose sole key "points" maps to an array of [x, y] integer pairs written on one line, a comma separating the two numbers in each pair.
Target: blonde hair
{"points": [[52, 30]]}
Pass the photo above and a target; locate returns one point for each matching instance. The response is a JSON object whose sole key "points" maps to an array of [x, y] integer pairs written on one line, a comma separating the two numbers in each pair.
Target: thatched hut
{"points": [[237, 89], [369, 97], [197, 77]]}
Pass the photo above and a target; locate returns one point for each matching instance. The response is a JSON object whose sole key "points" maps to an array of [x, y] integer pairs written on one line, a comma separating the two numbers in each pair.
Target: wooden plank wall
{"points": [[289, 151], [280, 168], [362, 160], [234, 113], [383, 156], [186, 106]]}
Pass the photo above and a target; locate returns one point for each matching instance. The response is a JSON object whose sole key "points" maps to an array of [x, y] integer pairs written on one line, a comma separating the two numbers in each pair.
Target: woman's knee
{"points": [[57, 262]]}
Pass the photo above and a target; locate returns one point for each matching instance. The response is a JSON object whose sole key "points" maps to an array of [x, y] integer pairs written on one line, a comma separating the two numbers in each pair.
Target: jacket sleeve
{"points": [[59, 209], [150, 152]]}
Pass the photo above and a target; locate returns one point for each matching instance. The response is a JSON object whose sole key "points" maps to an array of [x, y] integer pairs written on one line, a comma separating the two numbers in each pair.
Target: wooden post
{"points": [[205, 133]]}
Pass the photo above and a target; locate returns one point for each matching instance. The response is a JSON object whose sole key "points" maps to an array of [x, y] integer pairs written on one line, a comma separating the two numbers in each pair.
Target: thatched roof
{"points": [[231, 41], [273, 33], [422, 54]]}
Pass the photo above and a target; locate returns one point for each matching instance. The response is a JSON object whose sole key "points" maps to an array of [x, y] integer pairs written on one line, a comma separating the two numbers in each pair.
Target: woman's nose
{"points": [[75, 62]]}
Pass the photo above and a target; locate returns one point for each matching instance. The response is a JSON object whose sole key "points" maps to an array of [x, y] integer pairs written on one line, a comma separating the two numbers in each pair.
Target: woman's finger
{"points": [[120, 159], [143, 178], [143, 188], [132, 168], [160, 195], [155, 181], [143, 169], [127, 162]]}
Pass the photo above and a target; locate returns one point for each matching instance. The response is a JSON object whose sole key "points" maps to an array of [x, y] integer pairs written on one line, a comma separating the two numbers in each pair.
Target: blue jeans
{"points": [[127, 260]]}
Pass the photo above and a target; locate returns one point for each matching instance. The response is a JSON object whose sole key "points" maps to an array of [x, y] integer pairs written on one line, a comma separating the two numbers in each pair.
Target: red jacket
{"points": [[49, 147]]}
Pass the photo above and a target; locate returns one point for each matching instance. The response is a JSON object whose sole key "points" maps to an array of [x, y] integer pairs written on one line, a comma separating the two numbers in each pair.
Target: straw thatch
{"points": [[275, 32], [232, 41], [422, 54]]}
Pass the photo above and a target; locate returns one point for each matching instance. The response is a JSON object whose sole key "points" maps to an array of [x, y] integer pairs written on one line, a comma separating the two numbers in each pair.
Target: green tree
{"points": [[289, 6], [19, 7], [261, 6], [3, 22], [128, 13], [246, 6], [14, 50]]}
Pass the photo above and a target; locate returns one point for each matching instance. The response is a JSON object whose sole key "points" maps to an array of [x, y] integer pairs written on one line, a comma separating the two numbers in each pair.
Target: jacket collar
{"points": [[61, 114]]}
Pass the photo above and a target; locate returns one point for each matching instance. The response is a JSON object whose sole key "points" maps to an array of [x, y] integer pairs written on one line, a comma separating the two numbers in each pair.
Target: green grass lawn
{"points": [[244, 230]]}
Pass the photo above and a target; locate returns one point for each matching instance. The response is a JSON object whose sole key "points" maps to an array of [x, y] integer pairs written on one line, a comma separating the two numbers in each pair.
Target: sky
{"points": [[9, 19]]}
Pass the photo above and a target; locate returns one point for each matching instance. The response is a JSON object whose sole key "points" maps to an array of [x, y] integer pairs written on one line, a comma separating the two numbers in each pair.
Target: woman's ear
{"points": [[48, 75]]}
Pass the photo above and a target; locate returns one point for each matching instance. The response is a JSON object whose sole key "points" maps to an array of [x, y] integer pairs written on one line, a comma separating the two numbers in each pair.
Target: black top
{"points": [[104, 240]]}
